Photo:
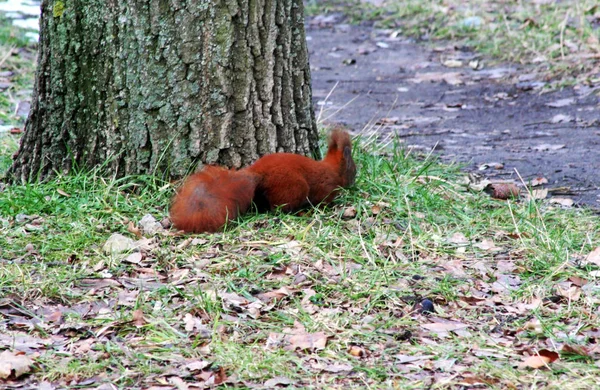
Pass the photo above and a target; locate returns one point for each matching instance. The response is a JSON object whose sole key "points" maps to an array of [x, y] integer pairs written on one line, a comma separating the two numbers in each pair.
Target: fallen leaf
{"points": [[594, 257], [542, 359], [452, 78], [566, 202], [138, 318], [539, 194], [134, 258], [14, 364], [337, 368], [494, 165], [402, 359], [575, 350], [197, 365], [452, 63], [561, 118], [538, 181], [307, 341], [63, 193], [561, 103], [444, 326], [487, 245], [548, 147], [349, 212], [572, 293], [278, 380], [458, 239]]}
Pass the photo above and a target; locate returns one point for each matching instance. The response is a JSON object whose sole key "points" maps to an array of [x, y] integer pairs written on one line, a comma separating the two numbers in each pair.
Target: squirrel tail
{"points": [[339, 156], [211, 197], [338, 140]]}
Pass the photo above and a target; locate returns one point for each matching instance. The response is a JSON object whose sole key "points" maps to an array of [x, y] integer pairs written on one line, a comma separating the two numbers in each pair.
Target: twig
{"points": [[8, 54]]}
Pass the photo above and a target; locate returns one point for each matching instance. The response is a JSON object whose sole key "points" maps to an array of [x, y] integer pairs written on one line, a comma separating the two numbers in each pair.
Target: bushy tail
{"points": [[211, 197], [339, 156], [338, 140]]}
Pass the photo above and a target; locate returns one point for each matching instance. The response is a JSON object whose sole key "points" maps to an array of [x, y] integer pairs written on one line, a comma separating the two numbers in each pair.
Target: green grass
{"points": [[558, 39], [17, 64], [355, 279]]}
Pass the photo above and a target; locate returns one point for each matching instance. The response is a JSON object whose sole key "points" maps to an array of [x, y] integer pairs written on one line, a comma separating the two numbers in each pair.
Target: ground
{"points": [[410, 280], [373, 80]]}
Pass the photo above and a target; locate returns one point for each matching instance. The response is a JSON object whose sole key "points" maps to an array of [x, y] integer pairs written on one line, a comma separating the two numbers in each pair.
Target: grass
{"points": [[558, 39], [17, 68], [230, 307]]}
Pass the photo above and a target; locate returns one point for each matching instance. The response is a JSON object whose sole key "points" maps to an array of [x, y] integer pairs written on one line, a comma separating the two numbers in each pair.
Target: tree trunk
{"points": [[160, 85]]}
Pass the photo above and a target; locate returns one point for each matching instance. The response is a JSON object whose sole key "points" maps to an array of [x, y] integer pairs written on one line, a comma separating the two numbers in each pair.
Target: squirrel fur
{"points": [[215, 195]]}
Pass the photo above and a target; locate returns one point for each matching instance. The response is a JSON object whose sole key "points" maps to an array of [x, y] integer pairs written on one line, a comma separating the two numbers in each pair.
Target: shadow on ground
{"points": [[450, 100]]}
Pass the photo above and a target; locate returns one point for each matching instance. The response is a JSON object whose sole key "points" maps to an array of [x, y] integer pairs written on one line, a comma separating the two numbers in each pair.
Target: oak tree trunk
{"points": [[160, 85]]}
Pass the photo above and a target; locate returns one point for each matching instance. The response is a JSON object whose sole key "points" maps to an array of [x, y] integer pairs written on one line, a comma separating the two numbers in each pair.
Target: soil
{"points": [[494, 120]]}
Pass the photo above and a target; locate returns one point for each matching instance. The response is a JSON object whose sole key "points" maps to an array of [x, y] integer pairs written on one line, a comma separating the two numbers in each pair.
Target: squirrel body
{"points": [[215, 195]]}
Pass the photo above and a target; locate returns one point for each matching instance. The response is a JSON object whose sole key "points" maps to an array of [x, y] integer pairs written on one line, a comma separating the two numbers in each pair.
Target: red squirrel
{"points": [[211, 197]]}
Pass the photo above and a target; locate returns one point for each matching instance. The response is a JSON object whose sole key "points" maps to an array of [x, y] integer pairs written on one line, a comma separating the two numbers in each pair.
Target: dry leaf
{"points": [[134, 258], [307, 341], [337, 368], [138, 318], [452, 63], [487, 245], [278, 380], [63, 193], [14, 364], [572, 293], [539, 194], [561, 103], [543, 358], [349, 212], [566, 202], [538, 181], [458, 239], [575, 350], [561, 118], [452, 78], [594, 257]]}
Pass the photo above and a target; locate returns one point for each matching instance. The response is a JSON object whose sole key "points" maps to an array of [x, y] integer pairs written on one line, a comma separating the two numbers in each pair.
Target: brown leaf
{"points": [[337, 368], [444, 326], [594, 257], [197, 365], [276, 294], [542, 359], [14, 364], [134, 258], [579, 282], [566, 202], [278, 380], [307, 341], [572, 293], [349, 212], [138, 318], [131, 228], [538, 181], [575, 350]]}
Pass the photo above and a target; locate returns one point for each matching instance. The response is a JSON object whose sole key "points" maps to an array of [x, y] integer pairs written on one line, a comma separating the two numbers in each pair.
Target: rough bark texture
{"points": [[160, 85]]}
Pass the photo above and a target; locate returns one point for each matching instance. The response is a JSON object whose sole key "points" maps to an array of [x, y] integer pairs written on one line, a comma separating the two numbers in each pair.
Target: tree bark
{"points": [[160, 85]]}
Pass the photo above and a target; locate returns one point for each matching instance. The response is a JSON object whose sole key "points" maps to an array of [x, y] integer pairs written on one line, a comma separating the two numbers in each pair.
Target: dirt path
{"points": [[490, 115]]}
